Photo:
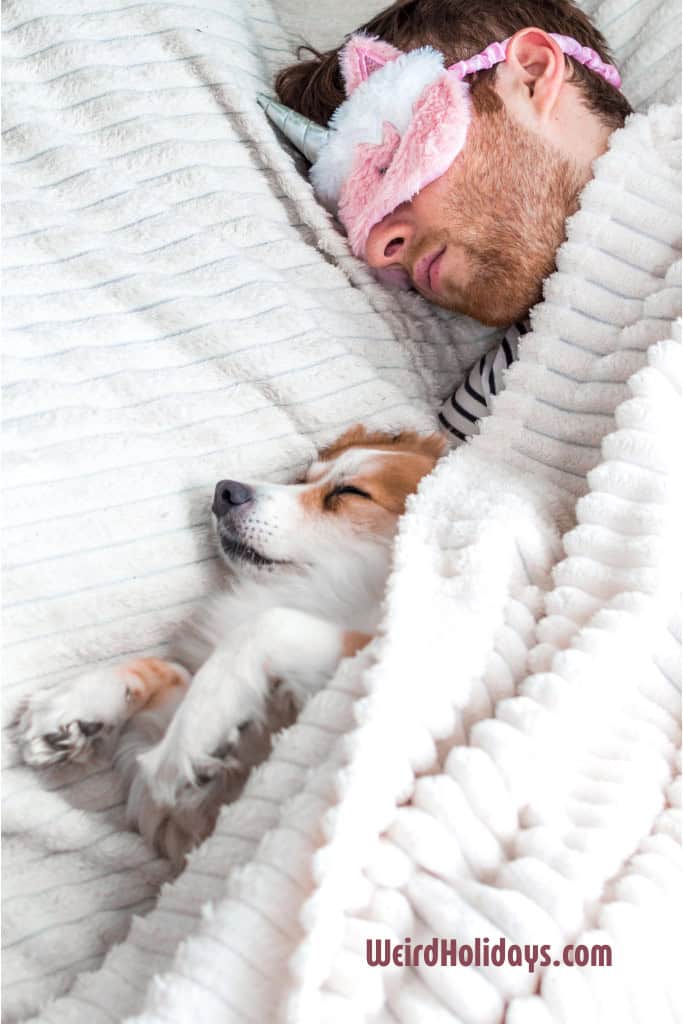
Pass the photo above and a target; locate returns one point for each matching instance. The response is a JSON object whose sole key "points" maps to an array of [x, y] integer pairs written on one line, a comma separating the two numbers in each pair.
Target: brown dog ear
{"points": [[354, 437], [431, 445]]}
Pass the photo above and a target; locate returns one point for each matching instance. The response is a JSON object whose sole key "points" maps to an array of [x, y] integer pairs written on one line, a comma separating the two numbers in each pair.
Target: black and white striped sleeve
{"points": [[471, 401]]}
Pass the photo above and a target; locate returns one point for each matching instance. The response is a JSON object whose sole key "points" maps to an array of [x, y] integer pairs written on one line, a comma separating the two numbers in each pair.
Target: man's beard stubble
{"points": [[510, 204]]}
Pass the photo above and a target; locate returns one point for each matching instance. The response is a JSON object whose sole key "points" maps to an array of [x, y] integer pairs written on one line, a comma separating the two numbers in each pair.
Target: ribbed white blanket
{"points": [[502, 760]]}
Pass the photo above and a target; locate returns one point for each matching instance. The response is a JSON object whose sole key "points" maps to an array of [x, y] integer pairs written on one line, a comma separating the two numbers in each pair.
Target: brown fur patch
{"points": [[394, 480], [155, 679], [354, 642], [312, 499], [389, 480], [431, 445]]}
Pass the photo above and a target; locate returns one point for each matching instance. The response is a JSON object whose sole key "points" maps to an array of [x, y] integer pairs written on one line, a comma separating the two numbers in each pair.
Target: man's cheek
{"points": [[458, 277], [460, 267], [484, 295]]}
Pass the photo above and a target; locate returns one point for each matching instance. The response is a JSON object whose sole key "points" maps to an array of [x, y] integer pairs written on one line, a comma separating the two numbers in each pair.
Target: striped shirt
{"points": [[471, 400]]}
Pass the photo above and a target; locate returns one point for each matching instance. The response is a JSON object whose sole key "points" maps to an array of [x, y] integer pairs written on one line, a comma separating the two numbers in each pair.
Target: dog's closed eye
{"points": [[342, 489]]}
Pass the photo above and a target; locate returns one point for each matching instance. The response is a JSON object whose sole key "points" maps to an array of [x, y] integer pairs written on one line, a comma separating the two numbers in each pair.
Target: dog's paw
{"points": [[69, 722], [172, 771], [67, 741], [178, 769], [175, 830]]}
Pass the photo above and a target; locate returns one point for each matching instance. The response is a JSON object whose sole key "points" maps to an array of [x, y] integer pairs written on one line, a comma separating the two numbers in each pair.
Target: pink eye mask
{"points": [[402, 125]]}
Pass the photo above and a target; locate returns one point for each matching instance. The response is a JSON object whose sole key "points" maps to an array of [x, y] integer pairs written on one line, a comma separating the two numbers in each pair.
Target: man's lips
{"points": [[426, 272]]}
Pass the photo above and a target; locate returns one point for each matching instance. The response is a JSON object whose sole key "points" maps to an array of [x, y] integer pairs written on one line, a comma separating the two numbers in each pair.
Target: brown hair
{"points": [[459, 29]]}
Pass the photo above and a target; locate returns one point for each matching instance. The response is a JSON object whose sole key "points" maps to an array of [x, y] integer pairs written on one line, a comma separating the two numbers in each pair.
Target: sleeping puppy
{"points": [[310, 563]]}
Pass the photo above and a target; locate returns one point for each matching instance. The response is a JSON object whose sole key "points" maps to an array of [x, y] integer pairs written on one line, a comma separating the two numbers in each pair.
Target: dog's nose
{"points": [[228, 494]]}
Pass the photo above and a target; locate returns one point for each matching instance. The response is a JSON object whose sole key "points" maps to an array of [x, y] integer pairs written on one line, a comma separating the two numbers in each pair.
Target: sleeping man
{"points": [[461, 134]]}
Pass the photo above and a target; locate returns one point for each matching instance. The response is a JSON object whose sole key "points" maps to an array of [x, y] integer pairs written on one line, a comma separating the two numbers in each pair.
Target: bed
{"points": [[178, 309]]}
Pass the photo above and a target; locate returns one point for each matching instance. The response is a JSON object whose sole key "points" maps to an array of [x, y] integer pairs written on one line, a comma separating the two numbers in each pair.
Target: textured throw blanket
{"points": [[502, 761]]}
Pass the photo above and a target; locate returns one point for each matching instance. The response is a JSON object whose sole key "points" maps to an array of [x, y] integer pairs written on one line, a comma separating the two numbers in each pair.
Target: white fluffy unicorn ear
{"points": [[361, 56]]}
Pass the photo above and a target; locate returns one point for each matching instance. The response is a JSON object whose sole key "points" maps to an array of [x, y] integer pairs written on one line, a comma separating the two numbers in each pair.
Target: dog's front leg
{"points": [[283, 647]]}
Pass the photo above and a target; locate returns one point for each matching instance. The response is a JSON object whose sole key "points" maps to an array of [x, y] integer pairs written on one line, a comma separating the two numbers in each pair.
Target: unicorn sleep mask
{"points": [[402, 125]]}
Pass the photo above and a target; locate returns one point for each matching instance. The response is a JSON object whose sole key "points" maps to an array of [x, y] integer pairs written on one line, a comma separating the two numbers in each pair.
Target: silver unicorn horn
{"points": [[308, 137]]}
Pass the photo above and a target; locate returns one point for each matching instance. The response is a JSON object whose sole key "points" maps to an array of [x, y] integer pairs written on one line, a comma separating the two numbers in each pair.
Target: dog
{"points": [[309, 562]]}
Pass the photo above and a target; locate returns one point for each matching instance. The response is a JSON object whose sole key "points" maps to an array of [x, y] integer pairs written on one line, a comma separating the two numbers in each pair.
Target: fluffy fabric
{"points": [[361, 57], [361, 118], [495, 53], [384, 176], [404, 123]]}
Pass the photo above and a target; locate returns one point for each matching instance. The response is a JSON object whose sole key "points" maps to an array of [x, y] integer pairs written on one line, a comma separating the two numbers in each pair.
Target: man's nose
{"points": [[388, 241], [229, 494]]}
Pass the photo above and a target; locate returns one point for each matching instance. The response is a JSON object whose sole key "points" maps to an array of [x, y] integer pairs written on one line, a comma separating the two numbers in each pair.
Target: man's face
{"points": [[481, 238]]}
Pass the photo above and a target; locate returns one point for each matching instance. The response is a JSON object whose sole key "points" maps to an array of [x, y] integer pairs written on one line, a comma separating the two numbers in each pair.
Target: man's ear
{"points": [[537, 65]]}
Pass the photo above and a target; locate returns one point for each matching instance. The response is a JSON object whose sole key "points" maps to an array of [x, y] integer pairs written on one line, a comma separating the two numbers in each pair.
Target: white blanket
{"points": [[142, 323]]}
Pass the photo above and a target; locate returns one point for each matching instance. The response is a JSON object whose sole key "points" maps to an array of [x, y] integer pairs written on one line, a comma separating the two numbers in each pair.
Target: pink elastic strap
{"points": [[496, 52]]}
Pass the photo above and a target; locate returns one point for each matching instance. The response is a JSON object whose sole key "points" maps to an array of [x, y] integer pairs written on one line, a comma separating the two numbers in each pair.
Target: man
{"points": [[481, 238]]}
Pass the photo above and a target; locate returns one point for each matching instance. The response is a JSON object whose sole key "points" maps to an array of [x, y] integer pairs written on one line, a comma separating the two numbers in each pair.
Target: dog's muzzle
{"points": [[232, 502]]}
